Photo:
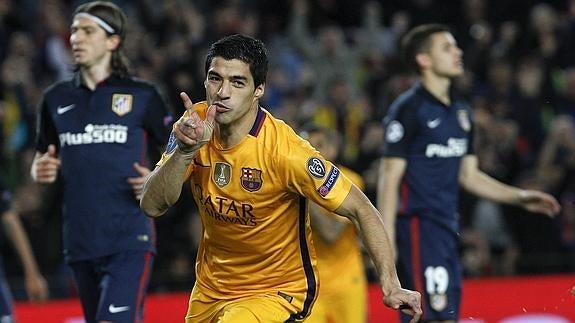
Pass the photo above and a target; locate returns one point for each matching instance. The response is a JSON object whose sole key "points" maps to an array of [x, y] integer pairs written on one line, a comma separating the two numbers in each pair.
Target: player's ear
{"points": [[423, 60], [113, 42], [259, 91]]}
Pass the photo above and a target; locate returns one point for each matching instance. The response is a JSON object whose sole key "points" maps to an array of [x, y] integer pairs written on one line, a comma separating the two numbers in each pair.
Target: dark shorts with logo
{"points": [[113, 288], [428, 261]]}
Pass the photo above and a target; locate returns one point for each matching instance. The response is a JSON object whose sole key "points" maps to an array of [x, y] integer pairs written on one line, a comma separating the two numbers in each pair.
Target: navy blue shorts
{"points": [[428, 261], [113, 288]]}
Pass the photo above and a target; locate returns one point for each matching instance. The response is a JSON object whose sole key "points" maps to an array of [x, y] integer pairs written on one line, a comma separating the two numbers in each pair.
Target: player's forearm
{"points": [[164, 185], [390, 173], [371, 229], [478, 183], [378, 244], [484, 186], [388, 209]]}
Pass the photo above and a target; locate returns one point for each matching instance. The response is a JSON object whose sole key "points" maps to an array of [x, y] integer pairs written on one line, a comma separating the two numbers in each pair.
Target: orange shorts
{"points": [[253, 309]]}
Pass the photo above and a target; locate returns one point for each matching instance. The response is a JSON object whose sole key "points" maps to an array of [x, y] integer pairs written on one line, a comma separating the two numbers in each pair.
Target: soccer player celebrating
{"points": [[251, 177]]}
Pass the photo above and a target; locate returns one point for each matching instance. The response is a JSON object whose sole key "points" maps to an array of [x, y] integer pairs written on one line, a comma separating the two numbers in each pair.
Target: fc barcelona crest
{"points": [[122, 104], [463, 118], [251, 179], [222, 174]]}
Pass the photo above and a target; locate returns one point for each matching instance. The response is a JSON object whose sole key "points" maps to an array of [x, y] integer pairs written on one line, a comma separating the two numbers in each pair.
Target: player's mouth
{"points": [[221, 108], [77, 51]]}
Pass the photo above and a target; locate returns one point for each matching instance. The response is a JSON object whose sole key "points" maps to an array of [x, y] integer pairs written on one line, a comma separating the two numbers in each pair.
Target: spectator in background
{"points": [[96, 128], [17, 92], [543, 36], [340, 111], [566, 101], [324, 51], [556, 171], [528, 108], [428, 154], [55, 47]]}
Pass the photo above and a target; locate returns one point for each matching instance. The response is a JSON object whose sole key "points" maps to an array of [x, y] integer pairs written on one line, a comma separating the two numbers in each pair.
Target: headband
{"points": [[97, 20]]}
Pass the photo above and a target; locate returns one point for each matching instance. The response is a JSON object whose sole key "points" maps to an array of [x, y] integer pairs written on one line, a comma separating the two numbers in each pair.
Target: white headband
{"points": [[97, 20]]}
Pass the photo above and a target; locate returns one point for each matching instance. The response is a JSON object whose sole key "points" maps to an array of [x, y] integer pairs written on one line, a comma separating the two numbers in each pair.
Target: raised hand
{"points": [[138, 182], [192, 132], [45, 167]]}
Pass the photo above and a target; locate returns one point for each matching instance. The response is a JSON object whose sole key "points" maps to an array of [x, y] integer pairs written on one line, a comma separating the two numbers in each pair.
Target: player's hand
{"points": [[407, 301], [137, 183], [45, 168], [36, 288], [539, 202], [191, 131]]}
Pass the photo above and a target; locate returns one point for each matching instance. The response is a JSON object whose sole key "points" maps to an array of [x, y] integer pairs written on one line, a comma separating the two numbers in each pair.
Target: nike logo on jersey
{"points": [[433, 123], [64, 109], [117, 309]]}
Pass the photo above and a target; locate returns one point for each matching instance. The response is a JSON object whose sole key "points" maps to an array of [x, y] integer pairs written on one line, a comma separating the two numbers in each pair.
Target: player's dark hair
{"points": [[244, 48], [112, 15], [416, 41]]}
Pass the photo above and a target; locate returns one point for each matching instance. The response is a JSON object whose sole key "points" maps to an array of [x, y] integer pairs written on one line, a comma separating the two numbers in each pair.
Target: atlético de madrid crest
{"points": [[251, 179], [122, 103]]}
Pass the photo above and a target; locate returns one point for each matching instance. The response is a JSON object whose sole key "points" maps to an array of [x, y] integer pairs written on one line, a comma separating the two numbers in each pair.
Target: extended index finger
{"points": [[188, 104]]}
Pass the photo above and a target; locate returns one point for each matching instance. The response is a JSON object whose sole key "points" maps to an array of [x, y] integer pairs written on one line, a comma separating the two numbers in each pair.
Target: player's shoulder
{"points": [[410, 99], [59, 87], [276, 131], [278, 138]]}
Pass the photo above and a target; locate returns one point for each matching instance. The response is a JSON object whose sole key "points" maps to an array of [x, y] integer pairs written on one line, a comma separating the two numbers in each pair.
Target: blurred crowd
{"points": [[335, 63]]}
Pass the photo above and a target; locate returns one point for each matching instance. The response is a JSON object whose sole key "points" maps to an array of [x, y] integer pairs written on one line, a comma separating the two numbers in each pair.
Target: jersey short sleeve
{"points": [[308, 173], [471, 138], [45, 128]]}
